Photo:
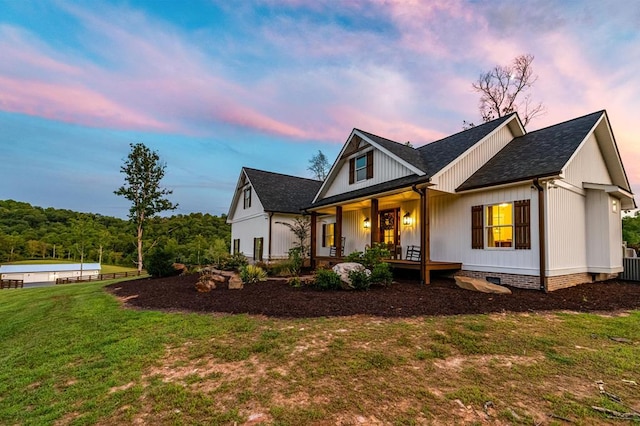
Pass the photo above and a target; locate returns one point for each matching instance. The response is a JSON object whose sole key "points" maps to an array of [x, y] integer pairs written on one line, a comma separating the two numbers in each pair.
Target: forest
{"points": [[30, 232]]}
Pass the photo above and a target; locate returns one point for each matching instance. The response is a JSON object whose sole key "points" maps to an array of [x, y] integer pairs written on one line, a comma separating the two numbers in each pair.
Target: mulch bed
{"points": [[405, 298]]}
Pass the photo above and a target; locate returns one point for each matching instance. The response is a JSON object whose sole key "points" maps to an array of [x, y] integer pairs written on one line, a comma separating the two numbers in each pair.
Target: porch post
{"points": [[338, 231], [425, 249], [314, 239], [375, 223]]}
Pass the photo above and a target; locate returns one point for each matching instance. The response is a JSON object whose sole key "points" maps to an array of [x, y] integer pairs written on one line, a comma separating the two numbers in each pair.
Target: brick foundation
{"points": [[533, 281]]}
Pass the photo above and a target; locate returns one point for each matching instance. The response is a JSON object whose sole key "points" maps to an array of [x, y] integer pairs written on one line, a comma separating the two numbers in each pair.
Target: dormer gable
{"points": [[366, 160]]}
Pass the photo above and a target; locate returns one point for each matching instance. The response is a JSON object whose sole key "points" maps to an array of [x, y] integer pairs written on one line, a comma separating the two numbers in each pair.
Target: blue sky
{"points": [[214, 86]]}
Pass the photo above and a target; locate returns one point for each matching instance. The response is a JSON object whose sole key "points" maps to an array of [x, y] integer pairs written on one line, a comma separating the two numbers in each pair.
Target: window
{"points": [[361, 168], [236, 246], [258, 249], [247, 197], [505, 225], [499, 225], [328, 234]]}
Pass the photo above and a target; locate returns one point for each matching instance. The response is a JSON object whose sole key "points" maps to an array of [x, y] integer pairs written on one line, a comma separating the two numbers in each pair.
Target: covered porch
{"points": [[399, 219]]}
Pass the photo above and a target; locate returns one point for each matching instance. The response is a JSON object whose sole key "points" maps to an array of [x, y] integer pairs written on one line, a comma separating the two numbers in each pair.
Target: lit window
{"points": [[361, 168], [328, 235], [499, 226]]}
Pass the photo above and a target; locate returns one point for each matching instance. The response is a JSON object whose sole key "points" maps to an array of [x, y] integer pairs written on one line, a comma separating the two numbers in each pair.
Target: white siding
{"points": [[459, 171], [239, 212], [567, 229], [450, 221], [247, 229], [283, 239], [587, 165], [604, 233], [385, 169]]}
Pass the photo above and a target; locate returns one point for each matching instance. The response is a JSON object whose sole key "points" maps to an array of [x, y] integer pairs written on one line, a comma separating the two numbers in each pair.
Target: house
{"points": [[48, 272], [262, 202], [539, 210]]}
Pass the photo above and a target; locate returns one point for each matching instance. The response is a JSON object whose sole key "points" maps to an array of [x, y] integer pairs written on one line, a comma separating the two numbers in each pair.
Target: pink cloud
{"points": [[70, 104]]}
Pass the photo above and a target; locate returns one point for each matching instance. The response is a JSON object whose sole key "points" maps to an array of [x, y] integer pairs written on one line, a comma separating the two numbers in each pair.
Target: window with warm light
{"points": [[499, 225], [328, 234]]}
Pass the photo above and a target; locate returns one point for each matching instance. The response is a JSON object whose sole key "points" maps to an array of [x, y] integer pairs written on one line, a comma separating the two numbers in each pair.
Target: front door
{"points": [[389, 230]]}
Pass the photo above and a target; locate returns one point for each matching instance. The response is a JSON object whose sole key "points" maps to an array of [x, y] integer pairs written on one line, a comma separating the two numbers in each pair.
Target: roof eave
{"points": [[552, 175]]}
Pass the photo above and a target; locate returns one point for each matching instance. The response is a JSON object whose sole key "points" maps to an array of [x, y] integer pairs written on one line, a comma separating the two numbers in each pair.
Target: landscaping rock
{"points": [[205, 285], [180, 268], [482, 286], [343, 269], [235, 283]]}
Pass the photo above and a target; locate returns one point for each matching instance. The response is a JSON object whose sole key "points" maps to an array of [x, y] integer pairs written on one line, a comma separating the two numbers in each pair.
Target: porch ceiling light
{"points": [[367, 223], [406, 219]]}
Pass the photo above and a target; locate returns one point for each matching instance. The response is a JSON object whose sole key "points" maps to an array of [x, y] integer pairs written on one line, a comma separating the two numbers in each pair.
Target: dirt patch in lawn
{"points": [[405, 298]]}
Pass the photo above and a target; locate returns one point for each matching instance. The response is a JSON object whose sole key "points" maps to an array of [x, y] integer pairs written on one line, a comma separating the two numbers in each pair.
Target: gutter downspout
{"points": [[542, 240], [270, 226]]}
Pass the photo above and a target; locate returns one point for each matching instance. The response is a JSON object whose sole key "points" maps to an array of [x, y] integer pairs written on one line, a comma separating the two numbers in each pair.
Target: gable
{"points": [[587, 165], [468, 162], [391, 160], [271, 192], [543, 153]]}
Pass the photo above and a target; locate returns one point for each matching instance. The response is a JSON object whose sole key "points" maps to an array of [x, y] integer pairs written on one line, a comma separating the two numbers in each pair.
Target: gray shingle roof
{"points": [[402, 151], [402, 182], [436, 155], [536, 154], [282, 193]]}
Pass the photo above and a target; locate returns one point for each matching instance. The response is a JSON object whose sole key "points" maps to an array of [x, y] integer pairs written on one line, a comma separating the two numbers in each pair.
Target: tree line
{"points": [[31, 232]]}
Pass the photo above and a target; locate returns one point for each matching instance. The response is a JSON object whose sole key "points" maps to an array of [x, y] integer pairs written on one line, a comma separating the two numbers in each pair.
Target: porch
{"points": [[431, 265], [397, 218]]}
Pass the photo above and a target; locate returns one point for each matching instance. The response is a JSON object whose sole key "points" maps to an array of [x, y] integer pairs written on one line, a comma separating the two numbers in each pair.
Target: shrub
{"points": [[296, 260], [360, 280], [250, 274], [159, 263], [295, 282], [371, 256], [381, 274], [326, 279], [231, 262]]}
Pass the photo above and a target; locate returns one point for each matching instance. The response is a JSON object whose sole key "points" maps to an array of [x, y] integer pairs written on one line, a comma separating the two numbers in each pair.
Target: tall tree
{"points": [[319, 166], [143, 172], [505, 89]]}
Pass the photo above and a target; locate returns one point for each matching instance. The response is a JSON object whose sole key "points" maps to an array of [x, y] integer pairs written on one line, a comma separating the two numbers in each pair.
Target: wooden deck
{"points": [[399, 264]]}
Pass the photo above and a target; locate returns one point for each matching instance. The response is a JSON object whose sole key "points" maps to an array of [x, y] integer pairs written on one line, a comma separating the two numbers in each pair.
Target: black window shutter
{"points": [[352, 170], [477, 228], [370, 165], [523, 224]]}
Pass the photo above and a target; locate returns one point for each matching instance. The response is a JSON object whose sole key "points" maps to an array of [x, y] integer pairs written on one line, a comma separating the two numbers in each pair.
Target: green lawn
{"points": [[73, 355]]}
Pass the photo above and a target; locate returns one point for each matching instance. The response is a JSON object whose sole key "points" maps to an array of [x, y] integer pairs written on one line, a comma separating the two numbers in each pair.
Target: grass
{"points": [[73, 355]]}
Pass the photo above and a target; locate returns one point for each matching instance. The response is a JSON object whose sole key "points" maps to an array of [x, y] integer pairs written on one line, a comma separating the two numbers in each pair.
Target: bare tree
{"points": [[504, 90], [319, 166]]}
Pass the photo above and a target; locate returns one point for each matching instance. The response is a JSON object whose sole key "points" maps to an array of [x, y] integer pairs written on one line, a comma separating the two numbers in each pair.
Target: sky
{"points": [[213, 86]]}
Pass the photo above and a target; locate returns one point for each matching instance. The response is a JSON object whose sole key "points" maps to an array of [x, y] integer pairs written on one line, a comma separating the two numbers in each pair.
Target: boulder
{"points": [[343, 269], [235, 283], [480, 285], [205, 285], [180, 268]]}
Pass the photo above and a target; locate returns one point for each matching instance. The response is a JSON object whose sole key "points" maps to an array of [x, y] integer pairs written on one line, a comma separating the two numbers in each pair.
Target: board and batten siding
{"points": [[604, 233], [459, 171], [247, 229], [385, 169], [567, 231], [240, 212], [588, 165], [450, 229]]}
